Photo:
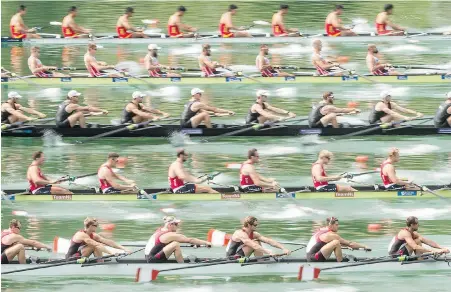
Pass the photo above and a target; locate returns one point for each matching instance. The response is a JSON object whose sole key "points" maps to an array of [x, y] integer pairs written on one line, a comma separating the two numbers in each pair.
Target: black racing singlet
{"points": [[253, 117], [236, 247], [440, 116], [375, 116], [61, 113], [75, 246], [398, 243], [5, 115], [315, 115], [187, 112], [127, 117]]}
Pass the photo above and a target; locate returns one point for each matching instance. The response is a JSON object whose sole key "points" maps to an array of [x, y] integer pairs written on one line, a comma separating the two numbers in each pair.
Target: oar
{"points": [[417, 67], [276, 259], [352, 175], [373, 129], [426, 189]]}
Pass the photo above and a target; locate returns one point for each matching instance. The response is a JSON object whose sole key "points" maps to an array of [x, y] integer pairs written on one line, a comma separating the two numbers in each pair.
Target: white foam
{"points": [[293, 211], [279, 150], [406, 49], [419, 149], [140, 216], [423, 213], [286, 92]]}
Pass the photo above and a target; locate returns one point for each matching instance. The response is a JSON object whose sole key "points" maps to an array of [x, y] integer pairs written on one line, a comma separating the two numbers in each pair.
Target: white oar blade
{"points": [[149, 21], [233, 165], [261, 22], [145, 275], [308, 273], [56, 23], [218, 238]]}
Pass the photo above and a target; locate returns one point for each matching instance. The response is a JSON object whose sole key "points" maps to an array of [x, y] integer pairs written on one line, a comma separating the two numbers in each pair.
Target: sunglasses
{"points": [[18, 227], [95, 225]]}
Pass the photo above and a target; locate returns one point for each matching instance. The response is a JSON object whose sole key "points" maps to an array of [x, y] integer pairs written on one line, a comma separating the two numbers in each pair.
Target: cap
{"points": [[171, 219], [195, 91], [73, 93], [14, 94], [448, 95], [153, 47], [138, 94], [262, 92], [385, 94]]}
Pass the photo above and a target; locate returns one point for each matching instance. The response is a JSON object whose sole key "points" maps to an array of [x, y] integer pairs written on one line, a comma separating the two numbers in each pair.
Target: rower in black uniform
{"points": [[261, 111], [12, 111], [136, 112], [442, 117], [386, 111]]}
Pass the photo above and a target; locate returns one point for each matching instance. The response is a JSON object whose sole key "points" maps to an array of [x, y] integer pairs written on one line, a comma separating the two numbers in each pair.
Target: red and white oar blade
{"points": [[145, 275], [218, 238], [308, 273], [60, 245]]}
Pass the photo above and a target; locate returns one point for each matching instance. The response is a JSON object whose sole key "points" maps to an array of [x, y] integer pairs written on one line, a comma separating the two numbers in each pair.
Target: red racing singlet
{"points": [[277, 30], [225, 32], [385, 179], [208, 72], [68, 32], [174, 31], [16, 33], [104, 184], [122, 32], [316, 183], [245, 180], [331, 30], [32, 185], [93, 72], [175, 182]]}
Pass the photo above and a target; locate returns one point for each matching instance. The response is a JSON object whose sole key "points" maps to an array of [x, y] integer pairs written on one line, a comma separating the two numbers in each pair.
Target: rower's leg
{"points": [[348, 33], [174, 248], [343, 189], [137, 119], [88, 250], [241, 34], [330, 119], [77, 117], [449, 121], [284, 74], [333, 246], [16, 250], [14, 119], [199, 118], [262, 119], [33, 36], [387, 119], [55, 190], [170, 74], [411, 251], [205, 189], [59, 75]]}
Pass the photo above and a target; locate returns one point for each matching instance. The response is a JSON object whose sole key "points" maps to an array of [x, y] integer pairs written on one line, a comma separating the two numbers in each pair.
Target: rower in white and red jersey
{"points": [[386, 111], [18, 28], [95, 67], [37, 68], [125, 30], [278, 26], [264, 65], [388, 173], [261, 111], [153, 66], [108, 178], [325, 112], [373, 64], [225, 25], [12, 111], [324, 67], [321, 179], [166, 240], [70, 29], [208, 66], [183, 182], [408, 241], [39, 183], [247, 241], [13, 244], [86, 242], [326, 241], [175, 25], [251, 181], [383, 20], [333, 25]]}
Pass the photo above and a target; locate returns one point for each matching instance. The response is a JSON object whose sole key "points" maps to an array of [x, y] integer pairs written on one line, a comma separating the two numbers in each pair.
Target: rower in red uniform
{"points": [[408, 241], [326, 241], [388, 173], [225, 25], [13, 244], [324, 67], [38, 69], [153, 66], [70, 29], [86, 242], [264, 66], [247, 241], [333, 24], [253, 182], [183, 182], [208, 66], [95, 67], [321, 179], [278, 26], [175, 25], [39, 183], [374, 65], [383, 20], [125, 30], [18, 28], [166, 240], [107, 177]]}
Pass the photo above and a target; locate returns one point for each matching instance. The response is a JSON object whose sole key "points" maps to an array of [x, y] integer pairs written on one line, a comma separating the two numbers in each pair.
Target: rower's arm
{"points": [[336, 23], [186, 176], [142, 113], [325, 66], [244, 238], [205, 107], [411, 242], [393, 25], [32, 111], [99, 246], [37, 179], [391, 173], [108, 242], [404, 110], [334, 109], [191, 240], [111, 178], [33, 243], [270, 241], [209, 64], [429, 242], [394, 114], [186, 27], [316, 172], [17, 113], [259, 180], [156, 111], [276, 109], [265, 114], [261, 64]]}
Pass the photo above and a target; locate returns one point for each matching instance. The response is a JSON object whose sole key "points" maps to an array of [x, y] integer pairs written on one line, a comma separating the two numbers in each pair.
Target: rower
{"points": [[39, 183], [325, 113], [264, 66], [326, 241], [247, 241], [251, 181], [12, 111], [125, 30], [183, 182], [383, 20], [94, 67], [278, 26], [408, 241], [153, 66], [388, 173], [208, 67], [225, 25], [70, 29], [196, 112], [373, 64], [5, 73], [333, 24], [86, 242], [324, 67], [261, 111], [70, 113], [175, 25], [321, 179], [442, 118], [385, 111], [18, 28], [108, 178], [38, 69], [136, 112], [166, 240], [13, 244]]}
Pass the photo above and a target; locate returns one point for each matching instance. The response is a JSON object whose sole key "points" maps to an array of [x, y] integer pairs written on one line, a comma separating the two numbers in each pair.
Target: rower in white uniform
{"points": [[374, 65]]}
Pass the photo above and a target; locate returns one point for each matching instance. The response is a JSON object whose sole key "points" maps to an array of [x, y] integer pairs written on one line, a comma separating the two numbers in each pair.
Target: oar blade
{"points": [[308, 273], [145, 275], [154, 274], [218, 237]]}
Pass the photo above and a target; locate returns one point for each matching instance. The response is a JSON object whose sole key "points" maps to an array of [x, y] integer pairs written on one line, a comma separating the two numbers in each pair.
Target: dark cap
{"points": [[284, 6], [72, 8], [182, 8], [411, 220], [232, 7], [388, 7], [339, 6], [129, 10], [113, 155]]}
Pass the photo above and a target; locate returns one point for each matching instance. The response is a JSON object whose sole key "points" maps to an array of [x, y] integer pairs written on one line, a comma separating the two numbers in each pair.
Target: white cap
{"points": [[14, 94], [153, 47], [138, 94], [171, 219], [73, 93], [195, 91], [448, 95], [384, 94], [262, 92]]}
